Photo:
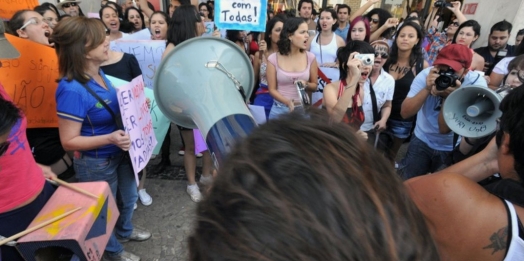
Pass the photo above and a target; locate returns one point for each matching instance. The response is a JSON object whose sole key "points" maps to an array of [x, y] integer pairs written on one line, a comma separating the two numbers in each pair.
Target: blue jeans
{"points": [[118, 173], [420, 159], [279, 108]]}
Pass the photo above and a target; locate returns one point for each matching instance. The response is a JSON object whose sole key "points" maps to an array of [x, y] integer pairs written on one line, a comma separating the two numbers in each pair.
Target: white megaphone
{"points": [[472, 111], [204, 83]]}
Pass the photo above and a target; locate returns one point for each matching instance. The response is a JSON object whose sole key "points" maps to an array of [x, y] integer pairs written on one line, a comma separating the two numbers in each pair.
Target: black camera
{"points": [[440, 3], [446, 79]]}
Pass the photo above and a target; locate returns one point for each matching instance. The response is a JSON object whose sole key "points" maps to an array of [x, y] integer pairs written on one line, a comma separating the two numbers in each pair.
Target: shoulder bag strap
{"points": [[376, 117], [119, 124]]}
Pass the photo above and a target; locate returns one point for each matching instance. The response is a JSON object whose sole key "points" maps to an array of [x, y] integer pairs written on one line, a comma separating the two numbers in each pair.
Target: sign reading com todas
{"points": [[249, 15]]}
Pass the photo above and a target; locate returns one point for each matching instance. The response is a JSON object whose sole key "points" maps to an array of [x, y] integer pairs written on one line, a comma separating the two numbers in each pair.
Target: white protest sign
{"points": [[143, 34], [210, 28], [250, 15], [147, 52], [137, 123]]}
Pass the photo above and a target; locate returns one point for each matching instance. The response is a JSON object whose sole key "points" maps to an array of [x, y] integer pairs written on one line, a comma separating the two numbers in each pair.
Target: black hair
{"points": [[344, 6], [416, 51], [501, 26], [519, 50], [9, 115], [520, 32], [163, 14], [233, 35], [269, 28], [126, 16], [118, 8], [383, 16], [333, 14], [209, 9], [305, 1], [51, 7], [511, 123], [344, 52], [469, 23], [290, 26], [183, 24], [125, 25]]}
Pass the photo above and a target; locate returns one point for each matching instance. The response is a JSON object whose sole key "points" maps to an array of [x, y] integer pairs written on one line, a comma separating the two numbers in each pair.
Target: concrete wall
{"points": [[490, 12]]}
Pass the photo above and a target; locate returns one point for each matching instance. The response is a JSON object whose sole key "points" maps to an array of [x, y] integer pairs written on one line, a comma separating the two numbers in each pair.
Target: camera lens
{"points": [[443, 82]]}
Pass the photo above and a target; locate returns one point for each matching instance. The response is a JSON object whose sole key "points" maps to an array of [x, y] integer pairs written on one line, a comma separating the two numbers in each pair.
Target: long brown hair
{"points": [[74, 38], [301, 188]]}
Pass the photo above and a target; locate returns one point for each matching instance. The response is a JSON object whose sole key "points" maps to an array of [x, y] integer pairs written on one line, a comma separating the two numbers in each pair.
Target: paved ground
{"points": [[170, 217]]}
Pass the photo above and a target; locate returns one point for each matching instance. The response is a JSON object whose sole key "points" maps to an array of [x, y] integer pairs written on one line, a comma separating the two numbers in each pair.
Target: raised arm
{"points": [[458, 13], [362, 9]]}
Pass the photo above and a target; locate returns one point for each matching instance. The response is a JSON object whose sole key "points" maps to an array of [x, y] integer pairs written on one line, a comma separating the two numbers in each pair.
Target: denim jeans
{"points": [[420, 159], [118, 173], [279, 108]]}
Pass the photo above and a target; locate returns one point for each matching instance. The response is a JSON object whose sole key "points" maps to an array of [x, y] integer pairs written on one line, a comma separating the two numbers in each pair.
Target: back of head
{"points": [[300, 188], [183, 24], [344, 52], [9, 115], [74, 38], [511, 123], [501, 26]]}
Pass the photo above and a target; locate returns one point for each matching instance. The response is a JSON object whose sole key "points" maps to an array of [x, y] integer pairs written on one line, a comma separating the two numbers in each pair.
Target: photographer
{"points": [[431, 142]]}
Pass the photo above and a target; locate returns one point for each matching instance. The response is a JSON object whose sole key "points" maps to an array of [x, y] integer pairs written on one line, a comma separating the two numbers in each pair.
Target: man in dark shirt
{"points": [[498, 47]]}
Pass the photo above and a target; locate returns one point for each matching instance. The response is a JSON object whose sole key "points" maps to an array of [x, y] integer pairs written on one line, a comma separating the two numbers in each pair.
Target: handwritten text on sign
{"points": [[137, 123], [147, 52], [30, 81], [241, 14]]}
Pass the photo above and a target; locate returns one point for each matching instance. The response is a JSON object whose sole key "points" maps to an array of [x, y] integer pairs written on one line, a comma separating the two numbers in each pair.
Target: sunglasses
{"points": [[384, 55], [3, 147], [69, 5], [456, 24], [375, 21]]}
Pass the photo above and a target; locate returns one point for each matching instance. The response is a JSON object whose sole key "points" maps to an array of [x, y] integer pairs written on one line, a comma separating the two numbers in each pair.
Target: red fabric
{"points": [[253, 47], [20, 178], [357, 113]]}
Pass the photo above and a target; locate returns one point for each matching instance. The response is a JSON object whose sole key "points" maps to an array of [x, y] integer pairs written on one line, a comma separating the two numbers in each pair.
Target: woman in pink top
{"points": [[290, 65]]}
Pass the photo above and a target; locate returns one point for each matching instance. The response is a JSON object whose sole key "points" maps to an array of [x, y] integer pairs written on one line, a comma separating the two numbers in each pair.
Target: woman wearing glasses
{"points": [[31, 25], [204, 9], [405, 62], [381, 24], [23, 190]]}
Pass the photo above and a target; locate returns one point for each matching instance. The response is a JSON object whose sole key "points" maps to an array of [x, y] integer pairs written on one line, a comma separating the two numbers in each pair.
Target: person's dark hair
{"points": [[366, 26], [269, 28], [126, 15], [333, 14], [64, 16], [302, 188], [74, 38], [118, 8], [511, 123], [183, 24], [344, 6], [520, 32], [305, 1], [413, 19], [469, 23], [42, 9], [383, 16], [233, 36], [52, 7], [290, 26], [344, 52], [17, 21], [416, 51], [209, 9], [516, 63], [501, 26], [9, 115], [125, 25]]}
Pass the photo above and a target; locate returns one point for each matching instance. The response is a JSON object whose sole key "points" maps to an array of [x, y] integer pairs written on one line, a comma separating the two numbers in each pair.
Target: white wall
{"points": [[490, 12]]}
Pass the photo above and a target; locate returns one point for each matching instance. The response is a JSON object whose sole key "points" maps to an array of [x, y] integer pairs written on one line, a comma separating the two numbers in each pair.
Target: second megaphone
{"points": [[472, 111]]}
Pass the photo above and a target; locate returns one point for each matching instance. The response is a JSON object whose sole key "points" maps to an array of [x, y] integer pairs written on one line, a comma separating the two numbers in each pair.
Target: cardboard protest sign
{"points": [[160, 121], [210, 27], [30, 81], [137, 123], [9, 7], [250, 15], [147, 52]]}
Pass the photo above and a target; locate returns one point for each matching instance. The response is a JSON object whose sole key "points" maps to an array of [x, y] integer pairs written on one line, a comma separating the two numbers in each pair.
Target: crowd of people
{"points": [[326, 184]]}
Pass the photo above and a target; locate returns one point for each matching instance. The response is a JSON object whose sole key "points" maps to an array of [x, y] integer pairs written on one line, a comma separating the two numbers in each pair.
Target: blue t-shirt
{"points": [[75, 103], [342, 32], [427, 117]]}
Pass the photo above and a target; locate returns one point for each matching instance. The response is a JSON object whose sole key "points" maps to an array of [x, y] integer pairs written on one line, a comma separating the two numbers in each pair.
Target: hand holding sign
{"points": [[241, 14]]}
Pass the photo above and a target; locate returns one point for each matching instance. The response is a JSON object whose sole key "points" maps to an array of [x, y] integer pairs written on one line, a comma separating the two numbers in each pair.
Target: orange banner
{"points": [[30, 81], [9, 7]]}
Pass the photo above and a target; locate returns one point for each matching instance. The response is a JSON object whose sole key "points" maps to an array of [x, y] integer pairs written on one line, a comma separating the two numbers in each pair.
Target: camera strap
{"points": [[376, 116]]}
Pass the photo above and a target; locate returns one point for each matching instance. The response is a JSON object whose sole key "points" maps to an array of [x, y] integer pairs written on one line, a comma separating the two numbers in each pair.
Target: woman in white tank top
{"points": [[325, 45]]}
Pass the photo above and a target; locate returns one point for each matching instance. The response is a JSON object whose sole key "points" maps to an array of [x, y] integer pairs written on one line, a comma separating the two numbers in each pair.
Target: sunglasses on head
{"points": [[3, 147], [384, 55], [69, 5]]}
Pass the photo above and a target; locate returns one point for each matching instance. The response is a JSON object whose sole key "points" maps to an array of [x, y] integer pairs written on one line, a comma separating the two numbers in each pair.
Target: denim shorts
{"points": [[399, 129], [279, 108]]}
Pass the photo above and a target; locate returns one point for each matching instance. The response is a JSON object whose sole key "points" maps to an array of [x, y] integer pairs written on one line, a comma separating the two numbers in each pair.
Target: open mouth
{"points": [[364, 75]]}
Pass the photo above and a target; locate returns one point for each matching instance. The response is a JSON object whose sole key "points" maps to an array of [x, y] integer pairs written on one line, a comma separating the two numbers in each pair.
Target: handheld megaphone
{"points": [[204, 83], [472, 111]]}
